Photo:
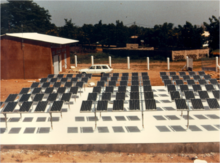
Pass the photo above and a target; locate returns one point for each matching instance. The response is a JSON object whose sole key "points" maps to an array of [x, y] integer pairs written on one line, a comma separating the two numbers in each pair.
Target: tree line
{"points": [[27, 16]]}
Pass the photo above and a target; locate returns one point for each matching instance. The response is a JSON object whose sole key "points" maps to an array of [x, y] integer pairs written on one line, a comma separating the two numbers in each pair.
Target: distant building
{"points": [[33, 55]]}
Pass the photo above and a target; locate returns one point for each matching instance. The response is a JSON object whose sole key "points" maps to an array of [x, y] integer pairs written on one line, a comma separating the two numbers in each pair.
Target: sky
{"points": [[143, 13]]}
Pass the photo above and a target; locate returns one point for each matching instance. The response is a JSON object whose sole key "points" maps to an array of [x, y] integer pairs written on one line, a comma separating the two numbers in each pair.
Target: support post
{"points": [[187, 62], [6, 125], [20, 115], [69, 105], [187, 119], [92, 60], [128, 60], [148, 64], [168, 63], [95, 118], [110, 61], [216, 58], [51, 120], [76, 60], [61, 114], [142, 118]]}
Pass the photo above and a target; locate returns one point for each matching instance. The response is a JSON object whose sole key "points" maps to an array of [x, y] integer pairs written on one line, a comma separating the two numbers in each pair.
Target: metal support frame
{"points": [[51, 120], [6, 125]]}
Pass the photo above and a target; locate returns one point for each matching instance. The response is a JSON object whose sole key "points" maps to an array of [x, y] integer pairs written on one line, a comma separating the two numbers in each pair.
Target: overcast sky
{"points": [[144, 13]]}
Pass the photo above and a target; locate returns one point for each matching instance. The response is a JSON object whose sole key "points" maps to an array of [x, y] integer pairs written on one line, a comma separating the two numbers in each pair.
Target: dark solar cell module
{"points": [[118, 105], [41, 106], [86, 106], [196, 77], [124, 78], [202, 82], [144, 74], [88, 76], [125, 74], [172, 73], [134, 88], [182, 73], [189, 95], [184, 87], [64, 80], [213, 81], [192, 73], [59, 75], [61, 90], [79, 84], [106, 96], [52, 97], [68, 84], [179, 82], [134, 95], [196, 87], [145, 77], [25, 107], [66, 97], [10, 107], [120, 96], [109, 89], [213, 103], [134, 78], [207, 77], [50, 76], [43, 80], [147, 88], [175, 95], [104, 79], [123, 83], [11, 97], [85, 80], [57, 106], [203, 94], [171, 88], [166, 82], [106, 75], [134, 82], [53, 80], [201, 73], [24, 97], [146, 83], [69, 75], [34, 84], [216, 94], [197, 104], [190, 82], [49, 90], [112, 83], [74, 80], [46, 84], [134, 105], [36, 90], [163, 73], [209, 87], [219, 86], [78, 75], [180, 104], [114, 78], [175, 77], [92, 97], [100, 83], [116, 74], [102, 105], [122, 89], [165, 77], [38, 97], [57, 84], [24, 91], [96, 89], [186, 77], [148, 95], [134, 73], [150, 104]]}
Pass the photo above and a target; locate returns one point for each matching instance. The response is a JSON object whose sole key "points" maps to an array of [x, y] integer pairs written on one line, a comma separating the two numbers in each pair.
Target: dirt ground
{"points": [[14, 86]]}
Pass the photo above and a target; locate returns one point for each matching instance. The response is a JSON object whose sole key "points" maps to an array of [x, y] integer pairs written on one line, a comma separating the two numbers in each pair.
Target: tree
{"points": [[69, 30]]}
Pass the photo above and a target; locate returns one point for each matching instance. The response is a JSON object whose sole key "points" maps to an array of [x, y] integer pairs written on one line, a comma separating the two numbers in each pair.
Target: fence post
{"points": [[187, 62], [110, 61], [128, 60], [148, 64], [168, 63], [216, 58], [92, 60], [75, 60]]}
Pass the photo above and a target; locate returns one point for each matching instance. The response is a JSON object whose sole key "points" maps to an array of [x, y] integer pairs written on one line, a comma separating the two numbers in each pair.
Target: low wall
{"points": [[195, 54]]}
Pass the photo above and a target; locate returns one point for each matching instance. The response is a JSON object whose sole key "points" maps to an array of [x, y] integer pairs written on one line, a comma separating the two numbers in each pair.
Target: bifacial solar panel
{"points": [[46, 84], [36, 90], [216, 94], [112, 83], [100, 84], [180, 104], [59, 76], [189, 95], [86, 106], [52, 97], [105, 79], [163, 73], [63, 80], [24, 90], [124, 78], [207, 77], [114, 78], [120, 96], [69, 75], [196, 77], [102, 106], [146, 83], [134, 78], [182, 73], [134, 88], [115, 74], [79, 84], [213, 81], [42, 80], [134, 83], [38, 97], [89, 76], [122, 89], [109, 89], [171, 87], [134, 73], [53, 80], [165, 77], [191, 82], [150, 104], [148, 95], [202, 82], [201, 73], [144, 74], [125, 74], [34, 85], [50, 76], [196, 88], [24, 97], [11, 97], [106, 96], [123, 83], [213, 103], [172, 73], [49, 90], [209, 87], [134, 95], [85, 80], [175, 95], [147, 88], [68, 84], [134, 105], [106, 75], [175, 77], [145, 77], [74, 80], [10, 107], [97, 89], [41, 106], [57, 106], [186, 77], [66, 97], [179, 82], [192, 73], [203, 94], [197, 104], [118, 105], [92, 97], [25, 107], [57, 84], [61, 90], [167, 82], [184, 88]]}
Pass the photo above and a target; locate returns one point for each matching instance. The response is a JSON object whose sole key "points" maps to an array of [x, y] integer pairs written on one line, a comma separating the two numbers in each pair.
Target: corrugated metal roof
{"points": [[43, 38]]}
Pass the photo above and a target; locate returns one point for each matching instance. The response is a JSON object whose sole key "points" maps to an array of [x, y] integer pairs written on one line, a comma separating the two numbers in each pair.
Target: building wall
{"points": [[31, 61], [195, 54]]}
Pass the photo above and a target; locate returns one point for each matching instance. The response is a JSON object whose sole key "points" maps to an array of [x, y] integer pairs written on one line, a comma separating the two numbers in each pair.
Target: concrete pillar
{"points": [[92, 60], [148, 63], [75, 60], [128, 60], [187, 62], [216, 58], [110, 61], [168, 63]]}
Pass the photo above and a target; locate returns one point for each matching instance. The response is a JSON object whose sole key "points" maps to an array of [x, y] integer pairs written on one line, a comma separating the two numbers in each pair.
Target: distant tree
{"points": [[69, 30]]}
